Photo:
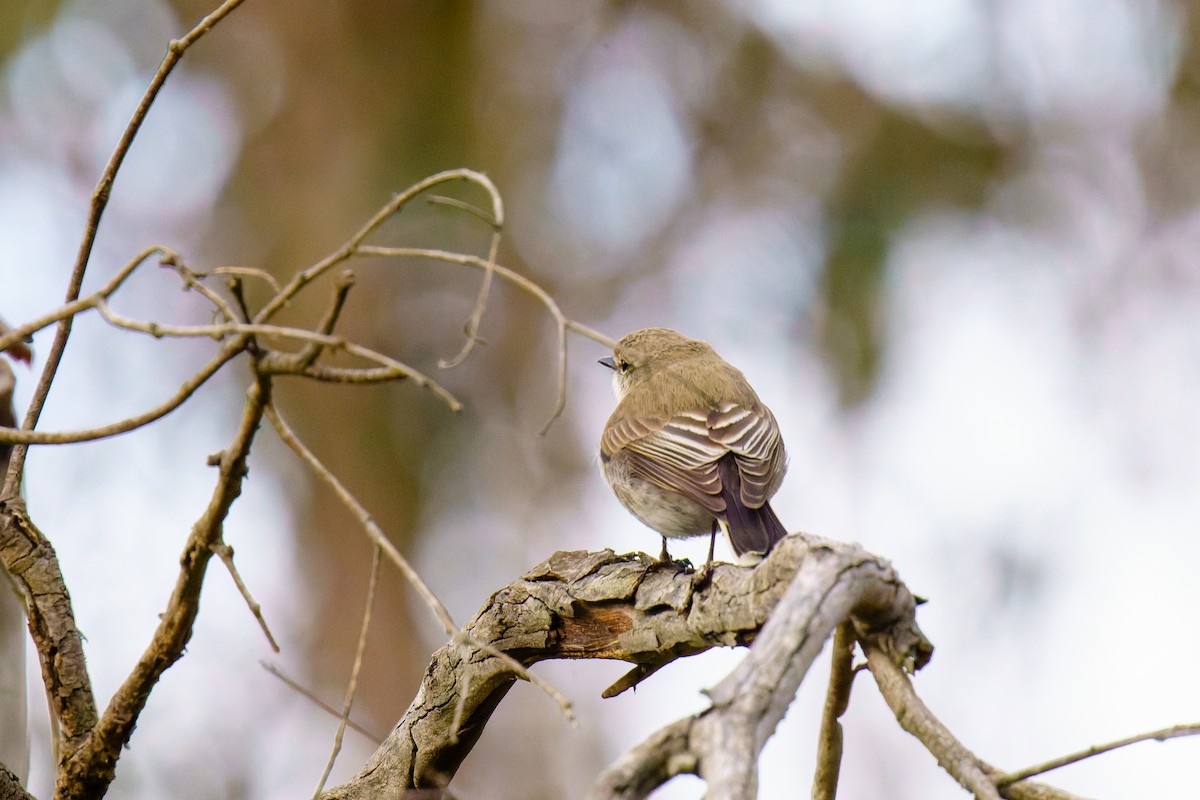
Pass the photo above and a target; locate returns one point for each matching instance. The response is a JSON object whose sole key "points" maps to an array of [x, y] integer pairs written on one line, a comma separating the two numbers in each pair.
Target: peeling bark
{"points": [[634, 608]]}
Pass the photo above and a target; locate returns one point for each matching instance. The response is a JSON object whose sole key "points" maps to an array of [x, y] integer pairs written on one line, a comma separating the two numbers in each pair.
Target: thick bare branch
{"points": [[827, 584], [30, 559], [10, 786], [631, 608]]}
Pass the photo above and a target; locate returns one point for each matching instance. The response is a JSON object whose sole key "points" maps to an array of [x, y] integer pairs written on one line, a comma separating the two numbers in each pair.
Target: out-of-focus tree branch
{"points": [[99, 202]]}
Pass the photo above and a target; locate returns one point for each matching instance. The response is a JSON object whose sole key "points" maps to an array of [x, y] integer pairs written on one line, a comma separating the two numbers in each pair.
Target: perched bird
{"points": [[690, 447]]}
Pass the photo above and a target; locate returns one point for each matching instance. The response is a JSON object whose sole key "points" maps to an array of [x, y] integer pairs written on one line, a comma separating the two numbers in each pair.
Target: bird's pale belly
{"points": [[669, 513]]}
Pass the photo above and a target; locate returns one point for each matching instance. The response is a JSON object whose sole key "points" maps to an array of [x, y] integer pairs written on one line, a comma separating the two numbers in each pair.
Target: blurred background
{"points": [[951, 243]]}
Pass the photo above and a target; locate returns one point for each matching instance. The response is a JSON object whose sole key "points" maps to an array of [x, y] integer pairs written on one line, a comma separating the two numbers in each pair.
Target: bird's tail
{"points": [[750, 529]]}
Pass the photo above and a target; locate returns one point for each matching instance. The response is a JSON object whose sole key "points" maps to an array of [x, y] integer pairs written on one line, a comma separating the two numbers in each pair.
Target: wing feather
{"points": [[680, 454]]}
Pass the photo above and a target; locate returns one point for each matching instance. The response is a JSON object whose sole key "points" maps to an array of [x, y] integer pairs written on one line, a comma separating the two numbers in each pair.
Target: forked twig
{"points": [[524, 284], [92, 760], [376, 535], [99, 202], [225, 553], [341, 290]]}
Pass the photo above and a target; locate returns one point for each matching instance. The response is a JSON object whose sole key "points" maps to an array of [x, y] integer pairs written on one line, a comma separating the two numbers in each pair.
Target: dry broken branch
{"points": [[827, 583], [634, 608]]}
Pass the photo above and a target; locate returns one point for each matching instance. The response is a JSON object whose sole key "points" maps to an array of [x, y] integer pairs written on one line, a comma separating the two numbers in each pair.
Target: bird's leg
{"points": [[703, 574], [664, 556]]}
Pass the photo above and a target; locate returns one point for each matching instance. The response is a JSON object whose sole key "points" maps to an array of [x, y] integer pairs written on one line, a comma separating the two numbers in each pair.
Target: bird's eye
{"points": [[623, 366]]}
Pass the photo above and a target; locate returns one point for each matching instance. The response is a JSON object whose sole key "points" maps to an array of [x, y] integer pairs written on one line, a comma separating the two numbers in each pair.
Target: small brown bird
{"points": [[690, 447]]}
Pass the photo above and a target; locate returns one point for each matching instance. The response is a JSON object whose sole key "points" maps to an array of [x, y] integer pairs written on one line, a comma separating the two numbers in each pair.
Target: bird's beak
{"points": [[608, 362]]}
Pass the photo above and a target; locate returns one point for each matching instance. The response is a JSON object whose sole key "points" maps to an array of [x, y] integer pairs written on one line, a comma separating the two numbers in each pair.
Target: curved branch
{"points": [[391, 208], [636, 609], [524, 284]]}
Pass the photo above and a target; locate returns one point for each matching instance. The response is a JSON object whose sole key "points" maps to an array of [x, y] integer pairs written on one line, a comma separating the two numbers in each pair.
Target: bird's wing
{"points": [[681, 454], [676, 454], [752, 435]]}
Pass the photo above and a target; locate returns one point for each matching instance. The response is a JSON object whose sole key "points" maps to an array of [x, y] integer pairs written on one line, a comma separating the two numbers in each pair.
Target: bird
{"points": [[690, 448]]}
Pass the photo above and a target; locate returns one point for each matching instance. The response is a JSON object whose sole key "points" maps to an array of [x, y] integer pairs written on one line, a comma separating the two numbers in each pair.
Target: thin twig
{"points": [[351, 246], [341, 290], [515, 278], [91, 764], [99, 202], [837, 699], [372, 529], [308, 694], [236, 288], [462, 205], [225, 553], [524, 284], [186, 389], [26, 436], [273, 364], [246, 272], [471, 329], [68, 310], [220, 331], [191, 280], [281, 364], [564, 704], [376, 535], [352, 684], [1037, 769]]}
